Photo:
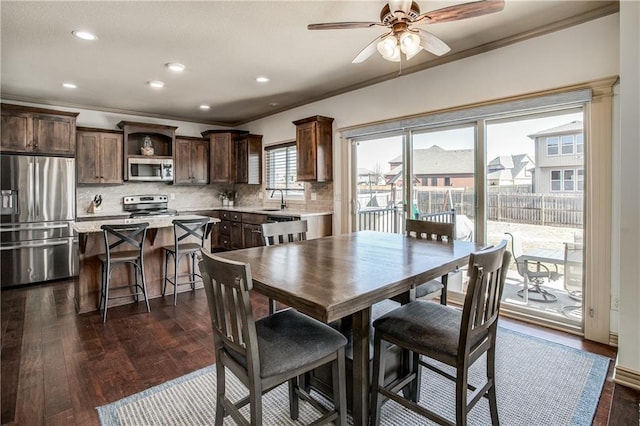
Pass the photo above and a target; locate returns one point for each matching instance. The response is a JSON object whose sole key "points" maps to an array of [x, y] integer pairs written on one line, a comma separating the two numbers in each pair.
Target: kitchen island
{"points": [[91, 245]]}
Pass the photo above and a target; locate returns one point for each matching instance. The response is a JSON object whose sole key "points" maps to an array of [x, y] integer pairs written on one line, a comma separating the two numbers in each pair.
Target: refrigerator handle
{"points": [[37, 190], [30, 195]]}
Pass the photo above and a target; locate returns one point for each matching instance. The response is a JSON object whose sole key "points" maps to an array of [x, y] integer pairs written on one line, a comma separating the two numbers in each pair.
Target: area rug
{"points": [[538, 383]]}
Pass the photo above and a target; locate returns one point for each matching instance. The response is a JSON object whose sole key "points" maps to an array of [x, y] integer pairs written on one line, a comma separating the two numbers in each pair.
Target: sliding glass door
{"points": [[535, 200], [519, 178]]}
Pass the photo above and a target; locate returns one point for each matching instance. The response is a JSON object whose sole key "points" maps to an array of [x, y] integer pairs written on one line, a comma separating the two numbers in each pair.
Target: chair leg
{"points": [[294, 406], [166, 272], [340, 388], [414, 386], [193, 271], [144, 286], [220, 390], [107, 278], [443, 295], [272, 306], [377, 379], [175, 278], [491, 370], [461, 395]]}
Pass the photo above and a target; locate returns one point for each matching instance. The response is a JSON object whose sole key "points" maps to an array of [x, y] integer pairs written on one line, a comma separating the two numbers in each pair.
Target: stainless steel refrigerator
{"points": [[38, 206]]}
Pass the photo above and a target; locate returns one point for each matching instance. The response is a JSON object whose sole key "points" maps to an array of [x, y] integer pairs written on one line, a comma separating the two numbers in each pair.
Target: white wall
{"points": [[629, 212]]}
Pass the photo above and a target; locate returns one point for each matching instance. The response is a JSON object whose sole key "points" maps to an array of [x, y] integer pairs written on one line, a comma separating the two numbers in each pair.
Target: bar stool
{"points": [[114, 236], [184, 230]]}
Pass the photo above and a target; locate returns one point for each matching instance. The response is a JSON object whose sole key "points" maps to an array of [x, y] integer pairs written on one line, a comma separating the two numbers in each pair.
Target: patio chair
{"points": [[573, 275], [535, 276]]}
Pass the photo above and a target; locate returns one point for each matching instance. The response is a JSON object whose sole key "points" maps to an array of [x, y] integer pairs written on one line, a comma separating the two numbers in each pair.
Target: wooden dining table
{"points": [[344, 275]]}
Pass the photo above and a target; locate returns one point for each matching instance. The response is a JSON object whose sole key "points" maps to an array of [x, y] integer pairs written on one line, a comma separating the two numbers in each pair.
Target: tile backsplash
{"points": [[188, 198]]}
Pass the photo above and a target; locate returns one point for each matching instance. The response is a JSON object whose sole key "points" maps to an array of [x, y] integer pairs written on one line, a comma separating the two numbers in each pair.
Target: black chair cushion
{"points": [[426, 326], [288, 340], [429, 287]]}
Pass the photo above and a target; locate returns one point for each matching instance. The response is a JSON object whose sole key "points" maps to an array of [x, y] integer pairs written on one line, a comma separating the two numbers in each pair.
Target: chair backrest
{"points": [[131, 235], [429, 230], [284, 232], [487, 273], [573, 266], [190, 229], [517, 251], [227, 284], [446, 216]]}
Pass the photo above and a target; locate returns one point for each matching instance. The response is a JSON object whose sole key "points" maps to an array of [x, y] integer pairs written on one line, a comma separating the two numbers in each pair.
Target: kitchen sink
{"points": [[269, 210]]}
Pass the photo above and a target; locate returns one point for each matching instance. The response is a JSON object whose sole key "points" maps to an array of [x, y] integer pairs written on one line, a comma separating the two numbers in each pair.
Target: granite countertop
{"points": [[184, 212], [86, 227]]}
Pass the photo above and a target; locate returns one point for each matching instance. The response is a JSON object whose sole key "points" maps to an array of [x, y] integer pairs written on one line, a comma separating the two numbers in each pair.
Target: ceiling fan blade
{"points": [[431, 43], [369, 49], [403, 6], [460, 11], [343, 25]]}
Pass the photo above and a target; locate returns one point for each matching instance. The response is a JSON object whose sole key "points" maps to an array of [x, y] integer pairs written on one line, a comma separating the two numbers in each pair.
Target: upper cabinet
{"points": [[99, 156], [235, 156], [160, 138], [314, 148], [248, 159], [38, 131], [191, 161]]}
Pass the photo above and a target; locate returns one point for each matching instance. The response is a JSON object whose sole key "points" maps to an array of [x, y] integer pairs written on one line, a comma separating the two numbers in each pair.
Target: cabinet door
{"points": [[306, 151], [88, 157], [16, 131], [236, 236], [222, 155], [241, 160], [54, 134], [111, 158], [182, 161], [200, 162], [254, 160], [252, 235]]}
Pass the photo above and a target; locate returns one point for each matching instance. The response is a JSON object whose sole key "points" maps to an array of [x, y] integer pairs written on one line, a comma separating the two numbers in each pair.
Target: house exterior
{"points": [[559, 159], [511, 170], [435, 166]]}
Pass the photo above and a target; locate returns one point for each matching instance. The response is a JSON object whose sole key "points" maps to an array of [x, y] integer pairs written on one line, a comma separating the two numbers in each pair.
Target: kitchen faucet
{"points": [[283, 205]]}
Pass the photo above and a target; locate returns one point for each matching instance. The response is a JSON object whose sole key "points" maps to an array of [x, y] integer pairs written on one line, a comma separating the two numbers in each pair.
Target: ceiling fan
{"points": [[400, 16]]}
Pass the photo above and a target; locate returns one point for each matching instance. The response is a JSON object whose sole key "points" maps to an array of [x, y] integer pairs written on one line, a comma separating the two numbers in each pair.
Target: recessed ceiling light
{"points": [[70, 85], [205, 107], [84, 35], [274, 104], [156, 84], [262, 79], [175, 66]]}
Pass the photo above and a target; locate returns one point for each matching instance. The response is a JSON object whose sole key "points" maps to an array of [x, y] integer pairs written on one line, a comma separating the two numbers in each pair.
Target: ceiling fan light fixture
{"points": [[388, 48], [410, 44]]}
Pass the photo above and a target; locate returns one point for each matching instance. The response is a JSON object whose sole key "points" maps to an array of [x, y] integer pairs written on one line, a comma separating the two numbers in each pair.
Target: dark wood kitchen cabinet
{"points": [[252, 229], [99, 156], [314, 148], [222, 154], [248, 159], [38, 131], [191, 161]]}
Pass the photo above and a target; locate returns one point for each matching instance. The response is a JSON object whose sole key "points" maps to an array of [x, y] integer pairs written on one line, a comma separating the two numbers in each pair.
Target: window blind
{"points": [[281, 170]]}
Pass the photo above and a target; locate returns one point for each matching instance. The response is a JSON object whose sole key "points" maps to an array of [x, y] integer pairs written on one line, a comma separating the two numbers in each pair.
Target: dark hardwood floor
{"points": [[58, 366]]}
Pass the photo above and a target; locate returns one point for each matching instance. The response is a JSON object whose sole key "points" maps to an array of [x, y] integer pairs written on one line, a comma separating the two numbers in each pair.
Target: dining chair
{"points": [[535, 276], [447, 335], [188, 238], [430, 230], [275, 233], [131, 236], [266, 353]]}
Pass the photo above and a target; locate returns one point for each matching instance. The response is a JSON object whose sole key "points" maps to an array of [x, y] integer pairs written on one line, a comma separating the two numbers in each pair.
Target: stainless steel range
{"points": [[148, 205]]}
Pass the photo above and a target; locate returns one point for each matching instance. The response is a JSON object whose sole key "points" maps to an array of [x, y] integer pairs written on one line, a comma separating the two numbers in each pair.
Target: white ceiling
{"points": [[225, 45]]}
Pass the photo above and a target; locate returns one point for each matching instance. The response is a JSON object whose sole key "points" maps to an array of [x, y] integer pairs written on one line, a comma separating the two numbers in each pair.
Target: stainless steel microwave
{"points": [[150, 169]]}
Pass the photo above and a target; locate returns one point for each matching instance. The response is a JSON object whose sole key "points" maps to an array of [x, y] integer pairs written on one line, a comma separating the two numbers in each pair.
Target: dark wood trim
{"points": [[96, 129], [146, 125], [38, 110]]}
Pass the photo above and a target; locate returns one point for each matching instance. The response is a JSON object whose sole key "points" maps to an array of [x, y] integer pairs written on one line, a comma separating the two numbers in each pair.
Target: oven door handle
{"points": [[37, 244]]}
